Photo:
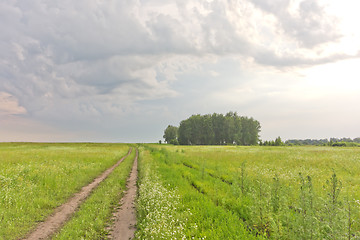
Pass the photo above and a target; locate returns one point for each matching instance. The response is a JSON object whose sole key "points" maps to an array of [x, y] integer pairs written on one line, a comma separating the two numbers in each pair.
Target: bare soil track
{"points": [[62, 213], [125, 217]]}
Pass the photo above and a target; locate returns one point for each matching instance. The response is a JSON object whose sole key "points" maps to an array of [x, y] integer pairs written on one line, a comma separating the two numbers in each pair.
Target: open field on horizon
{"points": [[185, 192]]}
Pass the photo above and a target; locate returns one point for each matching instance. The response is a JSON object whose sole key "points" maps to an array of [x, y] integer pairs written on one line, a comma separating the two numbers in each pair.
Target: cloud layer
{"points": [[69, 62]]}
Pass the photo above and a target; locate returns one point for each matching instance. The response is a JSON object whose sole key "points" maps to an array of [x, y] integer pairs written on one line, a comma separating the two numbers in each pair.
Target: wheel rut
{"points": [[53, 223], [125, 218]]}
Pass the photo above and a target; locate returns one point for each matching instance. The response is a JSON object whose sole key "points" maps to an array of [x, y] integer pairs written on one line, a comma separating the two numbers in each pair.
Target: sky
{"points": [[122, 71]]}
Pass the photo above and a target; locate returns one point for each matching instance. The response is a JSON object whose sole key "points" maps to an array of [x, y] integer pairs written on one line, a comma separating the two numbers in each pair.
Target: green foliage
{"points": [[335, 142], [306, 226], [334, 218], [275, 195], [196, 130], [174, 142], [277, 142], [171, 134], [217, 129], [345, 144]]}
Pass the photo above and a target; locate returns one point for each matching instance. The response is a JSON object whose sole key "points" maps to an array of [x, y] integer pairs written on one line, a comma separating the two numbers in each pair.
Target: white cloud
{"points": [[306, 21]]}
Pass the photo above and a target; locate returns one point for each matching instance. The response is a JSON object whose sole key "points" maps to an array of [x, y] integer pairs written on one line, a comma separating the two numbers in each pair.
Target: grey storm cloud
{"points": [[270, 58], [82, 58]]}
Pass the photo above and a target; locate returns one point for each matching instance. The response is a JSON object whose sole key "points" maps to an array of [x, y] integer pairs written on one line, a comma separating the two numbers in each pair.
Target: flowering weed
{"points": [[158, 208]]}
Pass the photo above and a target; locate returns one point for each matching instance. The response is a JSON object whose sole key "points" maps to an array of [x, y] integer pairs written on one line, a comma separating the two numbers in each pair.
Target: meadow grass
{"points": [[159, 210], [286, 162], [279, 192], [37, 177], [94, 216], [170, 208], [187, 192]]}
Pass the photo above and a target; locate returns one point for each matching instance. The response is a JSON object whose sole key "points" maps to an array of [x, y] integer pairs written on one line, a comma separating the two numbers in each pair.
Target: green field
{"points": [[37, 177], [186, 192], [98, 208], [272, 192]]}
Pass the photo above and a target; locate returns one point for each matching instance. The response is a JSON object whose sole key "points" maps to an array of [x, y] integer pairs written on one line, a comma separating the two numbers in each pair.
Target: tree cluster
{"points": [[215, 129], [277, 142], [349, 140], [317, 142], [336, 142]]}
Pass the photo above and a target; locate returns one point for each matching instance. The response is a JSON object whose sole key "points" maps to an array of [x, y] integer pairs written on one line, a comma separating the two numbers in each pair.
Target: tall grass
{"points": [[280, 193], [37, 177], [199, 216], [159, 210]]}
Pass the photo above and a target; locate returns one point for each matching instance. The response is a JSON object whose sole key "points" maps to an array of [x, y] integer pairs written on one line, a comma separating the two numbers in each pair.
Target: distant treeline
{"points": [[325, 142], [214, 129]]}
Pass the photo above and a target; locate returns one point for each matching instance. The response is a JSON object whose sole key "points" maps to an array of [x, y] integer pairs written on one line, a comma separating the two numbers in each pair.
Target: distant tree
{"points": [[185, 132], [174, 142], [348, 140], [171, 134], [339, 144], [318, 142], [229, 128], [278, 142], [207, 132], [219, 128], [249, 131], [235, 128], [196, 130], [269, 143]]}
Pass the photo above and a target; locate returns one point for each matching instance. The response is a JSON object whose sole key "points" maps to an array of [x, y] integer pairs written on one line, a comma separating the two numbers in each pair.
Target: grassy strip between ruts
{"points": [[37, 177], [94, 215], [193, 216]]}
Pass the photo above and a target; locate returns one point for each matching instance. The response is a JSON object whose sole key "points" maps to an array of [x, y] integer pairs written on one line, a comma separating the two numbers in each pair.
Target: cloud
{"points": [[306, 21], [9, 105], [270, 58], [68, 62]]}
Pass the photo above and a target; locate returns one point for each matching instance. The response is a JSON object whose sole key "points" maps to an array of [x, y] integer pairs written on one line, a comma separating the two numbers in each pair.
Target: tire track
{"points": [[63, 213], [125, 218]]}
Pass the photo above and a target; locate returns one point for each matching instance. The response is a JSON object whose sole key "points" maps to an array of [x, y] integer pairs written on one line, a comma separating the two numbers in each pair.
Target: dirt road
{"points": [[62, 213], [125, 217]]}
